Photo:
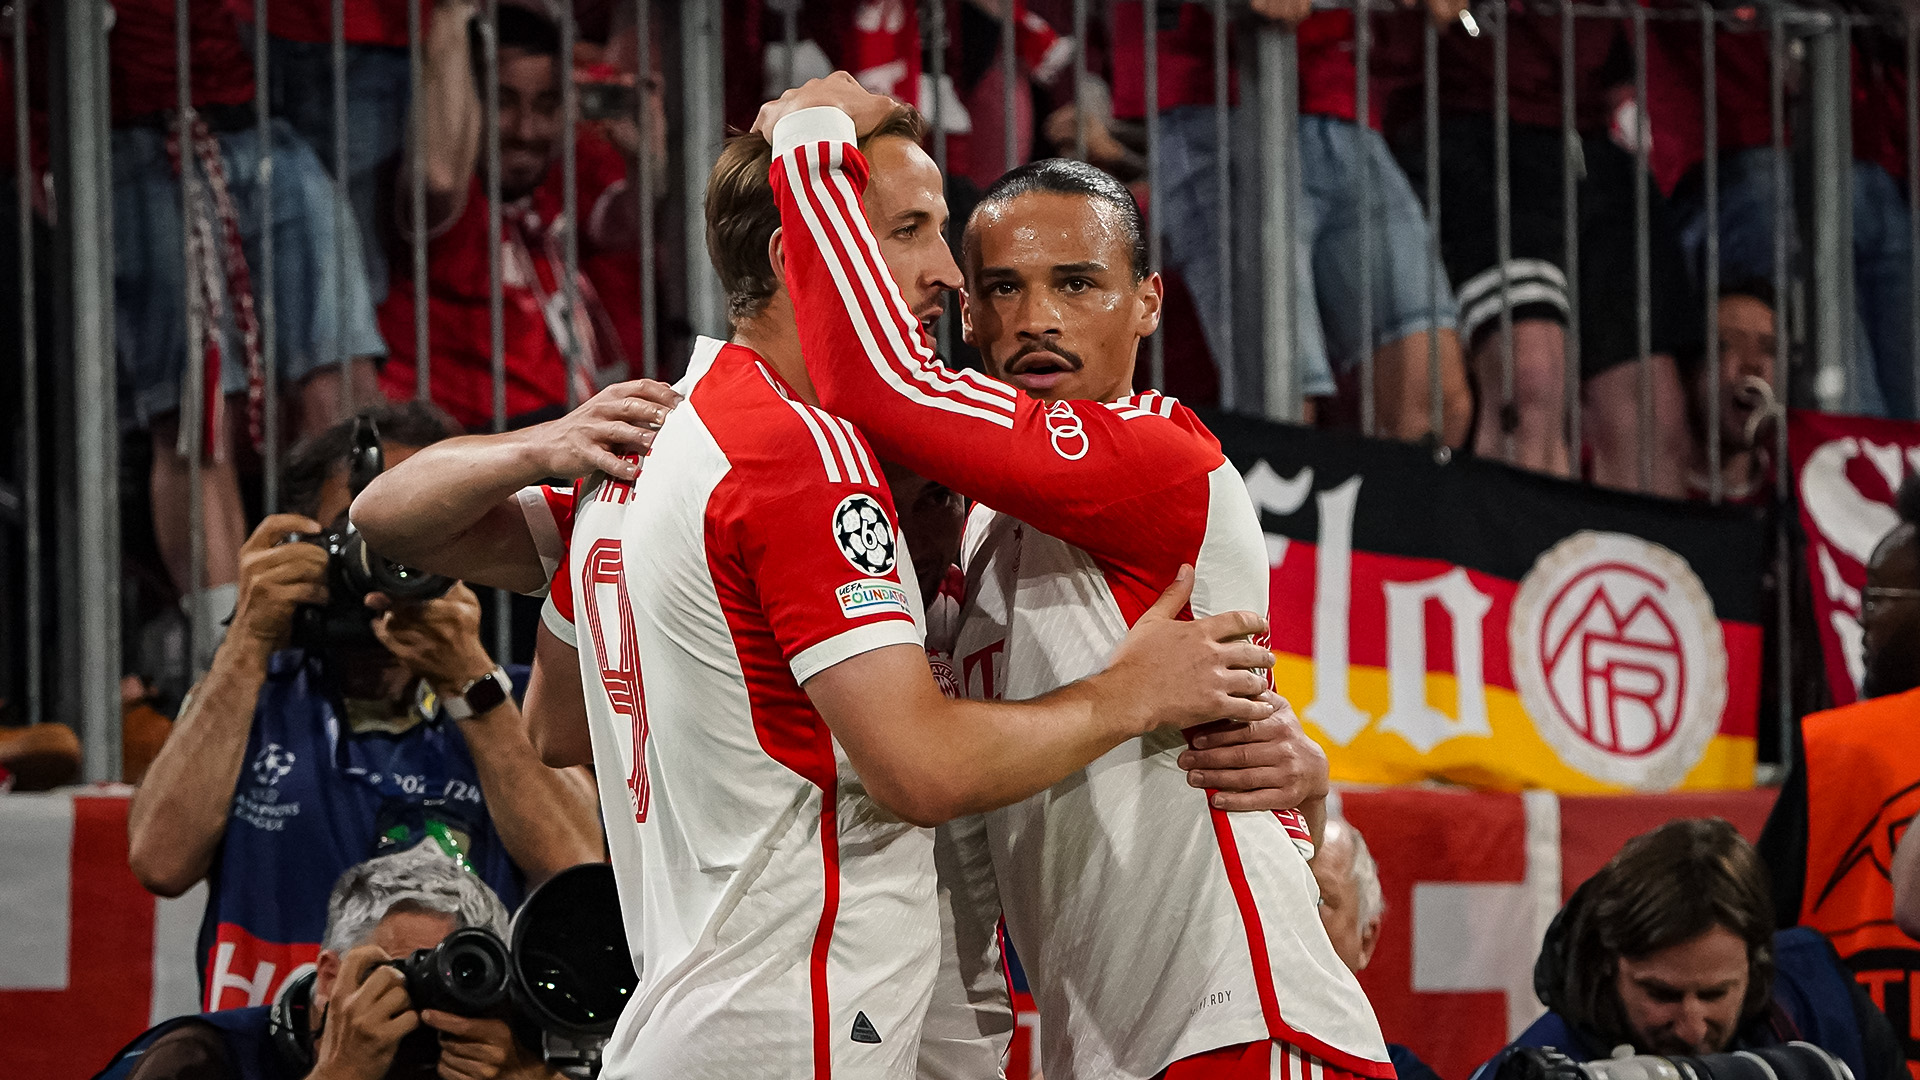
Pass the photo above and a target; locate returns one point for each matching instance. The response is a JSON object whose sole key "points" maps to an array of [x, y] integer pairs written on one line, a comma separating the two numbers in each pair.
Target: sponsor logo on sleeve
{"points": [[865, 535], [1064, 430], [871, 596]]}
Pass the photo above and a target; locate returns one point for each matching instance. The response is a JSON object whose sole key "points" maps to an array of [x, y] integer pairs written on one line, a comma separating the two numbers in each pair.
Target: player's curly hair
{"points": [[742, 214]]}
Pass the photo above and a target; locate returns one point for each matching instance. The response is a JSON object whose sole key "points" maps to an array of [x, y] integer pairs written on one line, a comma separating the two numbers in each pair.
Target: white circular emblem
{"points": [[864, 534], [1619, 659], [271, 763]]}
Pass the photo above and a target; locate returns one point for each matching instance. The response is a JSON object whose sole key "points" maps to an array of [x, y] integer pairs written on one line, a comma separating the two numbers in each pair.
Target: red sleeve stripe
{"points": [[843, 209], [806, 417], [894, 366], [839, 434], [859, 448]]}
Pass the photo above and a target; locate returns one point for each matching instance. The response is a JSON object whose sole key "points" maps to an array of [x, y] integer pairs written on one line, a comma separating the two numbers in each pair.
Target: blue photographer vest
{"points": [[314, 799], [243, 1030]]}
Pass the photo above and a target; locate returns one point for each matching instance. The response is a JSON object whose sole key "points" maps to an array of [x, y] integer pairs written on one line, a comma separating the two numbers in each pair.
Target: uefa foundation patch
{"points": [[872, 596]]}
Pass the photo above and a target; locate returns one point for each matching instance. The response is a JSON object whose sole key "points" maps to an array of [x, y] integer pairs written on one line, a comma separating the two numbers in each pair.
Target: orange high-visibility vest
{"points": [[1863, 786]]}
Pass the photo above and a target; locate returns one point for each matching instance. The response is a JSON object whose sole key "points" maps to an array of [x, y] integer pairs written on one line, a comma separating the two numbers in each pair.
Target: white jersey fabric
{"points": [[784, 922]]}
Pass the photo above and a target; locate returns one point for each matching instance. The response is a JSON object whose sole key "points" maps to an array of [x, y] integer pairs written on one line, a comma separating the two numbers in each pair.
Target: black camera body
{"points": [[470, 973], [1790, 1061], [560, 987], [354, 569]]}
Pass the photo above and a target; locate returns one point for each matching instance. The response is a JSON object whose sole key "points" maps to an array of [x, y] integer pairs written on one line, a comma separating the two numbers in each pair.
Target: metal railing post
{"points": [[1830, 274], [1362, 108], [417, 197], [32, 525], [1430, 92], [1710, 165], [342, 208], [703, 97], [1009, 86], [575, 357], [1082, 83], [1227, 363], [192, 417], [89, 686], [265, 302], [1572, 164], [1642, 258], [643, 77], [1156, 211], [496, 285], [1276, 63]]}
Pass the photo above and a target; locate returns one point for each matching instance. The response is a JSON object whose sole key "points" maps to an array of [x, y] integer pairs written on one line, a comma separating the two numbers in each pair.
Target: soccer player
{"points": [[1161, 936]]}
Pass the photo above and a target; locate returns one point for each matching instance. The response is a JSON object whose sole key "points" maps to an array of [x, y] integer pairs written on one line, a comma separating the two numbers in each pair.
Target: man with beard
{"points": [[1856, 782], [532, 195], [1161, 936], [1670, 949]]}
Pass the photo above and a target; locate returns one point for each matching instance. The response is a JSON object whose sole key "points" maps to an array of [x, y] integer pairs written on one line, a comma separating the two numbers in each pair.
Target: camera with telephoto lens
{"points": [[560, 986], [1790, 1061], [354, 569]]}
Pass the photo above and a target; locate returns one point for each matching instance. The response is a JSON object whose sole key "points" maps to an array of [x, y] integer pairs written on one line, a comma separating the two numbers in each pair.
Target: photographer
{"points": [[289, 764], [1670, 949], [355, 1019]]}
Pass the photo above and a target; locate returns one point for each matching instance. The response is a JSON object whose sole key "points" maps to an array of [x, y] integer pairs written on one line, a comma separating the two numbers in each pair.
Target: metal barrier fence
{"points": [[67, 516]]}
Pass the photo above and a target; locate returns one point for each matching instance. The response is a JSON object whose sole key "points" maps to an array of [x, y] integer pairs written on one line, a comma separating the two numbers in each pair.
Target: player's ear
{"points": [[776, 257], [1148, 298], [966, 319]]}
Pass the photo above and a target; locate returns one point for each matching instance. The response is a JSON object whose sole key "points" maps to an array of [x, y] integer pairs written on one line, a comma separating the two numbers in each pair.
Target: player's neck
{"points": [[778, 343]]}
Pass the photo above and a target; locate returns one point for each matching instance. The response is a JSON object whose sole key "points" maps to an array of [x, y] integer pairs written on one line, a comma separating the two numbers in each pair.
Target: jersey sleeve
{"points": [[556, 612], [824, 560], [1082, 471], [548, 512]]}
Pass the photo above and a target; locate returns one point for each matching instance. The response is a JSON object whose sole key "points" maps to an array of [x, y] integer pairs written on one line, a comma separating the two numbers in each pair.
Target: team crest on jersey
{"points": [[872, 597], [865, 536]]}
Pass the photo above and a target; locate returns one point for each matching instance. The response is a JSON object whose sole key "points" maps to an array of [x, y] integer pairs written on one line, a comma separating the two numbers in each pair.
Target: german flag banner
{"points": [[1481, 625]]}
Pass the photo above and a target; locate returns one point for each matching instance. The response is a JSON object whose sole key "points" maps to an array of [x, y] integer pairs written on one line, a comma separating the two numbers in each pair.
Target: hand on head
{"points": [[838, 90]]}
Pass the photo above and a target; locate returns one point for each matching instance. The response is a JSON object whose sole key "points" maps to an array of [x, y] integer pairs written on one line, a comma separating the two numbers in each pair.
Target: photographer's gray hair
{"points": [[1366, 873], [421, 878]]}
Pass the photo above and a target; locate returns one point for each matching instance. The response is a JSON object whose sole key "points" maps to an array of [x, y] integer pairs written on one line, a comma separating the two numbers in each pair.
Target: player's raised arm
{"points": [[1072, 469], [457, 507]]}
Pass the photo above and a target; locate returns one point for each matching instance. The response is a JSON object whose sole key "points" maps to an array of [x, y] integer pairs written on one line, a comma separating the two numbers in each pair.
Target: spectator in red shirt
{"points": [[536, 328], [1526, 423], [154, 250]]}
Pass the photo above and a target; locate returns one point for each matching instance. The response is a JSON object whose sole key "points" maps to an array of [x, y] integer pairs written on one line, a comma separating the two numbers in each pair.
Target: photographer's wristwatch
{"points": [[481, 696]]}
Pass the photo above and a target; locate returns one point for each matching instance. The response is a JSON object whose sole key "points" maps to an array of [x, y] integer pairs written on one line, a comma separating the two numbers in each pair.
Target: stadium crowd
{"points": [[310, 776]]}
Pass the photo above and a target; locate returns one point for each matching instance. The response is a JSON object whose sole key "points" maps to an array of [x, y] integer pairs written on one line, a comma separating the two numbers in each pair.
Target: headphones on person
{"points": [[288, 1024]]}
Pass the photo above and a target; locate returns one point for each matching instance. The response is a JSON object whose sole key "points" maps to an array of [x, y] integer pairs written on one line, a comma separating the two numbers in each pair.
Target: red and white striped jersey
{"points": [[783, 921], [1152, 927]]}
